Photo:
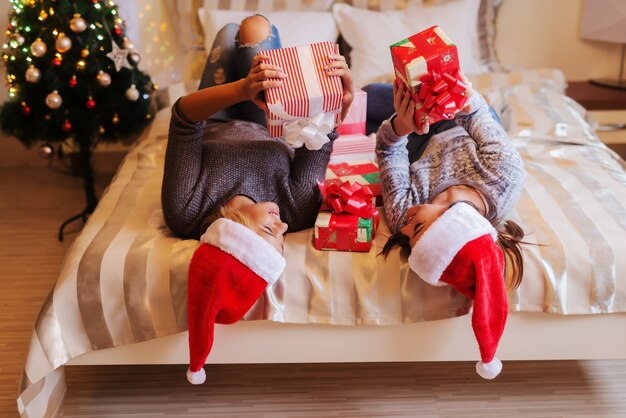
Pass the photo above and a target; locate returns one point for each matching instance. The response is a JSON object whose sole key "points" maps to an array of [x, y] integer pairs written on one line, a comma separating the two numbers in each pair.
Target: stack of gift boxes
{"points": [[427, 63]]}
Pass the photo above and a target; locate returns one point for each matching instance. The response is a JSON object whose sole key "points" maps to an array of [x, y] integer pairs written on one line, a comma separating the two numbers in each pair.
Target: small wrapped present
{"points": [[428, 64], [354, 122], [307, 107], [362, 172], [352, 224], [356, 147]]}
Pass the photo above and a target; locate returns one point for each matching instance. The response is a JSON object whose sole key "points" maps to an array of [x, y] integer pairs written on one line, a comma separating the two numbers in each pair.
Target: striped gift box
{"points": [[353, 148], [307, 91], [354, 122]]}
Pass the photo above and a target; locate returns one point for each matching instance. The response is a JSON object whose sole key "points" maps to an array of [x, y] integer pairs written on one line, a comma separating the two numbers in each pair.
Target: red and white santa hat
{"points": [[228, 273], [459, 250]]}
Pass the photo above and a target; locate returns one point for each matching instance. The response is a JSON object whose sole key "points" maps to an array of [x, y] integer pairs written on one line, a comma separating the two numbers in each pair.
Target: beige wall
{"points": [[544, 33], [531, 34]]}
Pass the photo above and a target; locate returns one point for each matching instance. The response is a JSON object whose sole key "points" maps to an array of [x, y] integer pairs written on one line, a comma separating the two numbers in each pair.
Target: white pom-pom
{"points": [[196, 378], [489, 370]]}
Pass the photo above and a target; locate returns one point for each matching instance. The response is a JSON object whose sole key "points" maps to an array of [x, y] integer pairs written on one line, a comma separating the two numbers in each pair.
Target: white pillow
{"points": [[370, 33], [295, 28]]}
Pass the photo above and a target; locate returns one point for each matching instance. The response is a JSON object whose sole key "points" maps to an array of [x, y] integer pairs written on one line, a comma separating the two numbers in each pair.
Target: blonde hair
{"points": [[228, 213]]}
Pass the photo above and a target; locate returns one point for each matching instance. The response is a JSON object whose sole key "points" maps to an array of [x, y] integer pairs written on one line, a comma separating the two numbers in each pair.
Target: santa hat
{"points": [[459, 250], [228, 273]]}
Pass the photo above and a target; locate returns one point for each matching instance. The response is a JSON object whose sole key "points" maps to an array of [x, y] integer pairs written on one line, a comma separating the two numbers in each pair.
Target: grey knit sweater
{"points": [[477, 153], [209, 162]]}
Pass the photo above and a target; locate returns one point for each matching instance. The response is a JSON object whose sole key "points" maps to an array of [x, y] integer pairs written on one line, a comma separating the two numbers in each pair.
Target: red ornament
{"points": [[56, 62], [91, 103], [66, 126], [26, 110], [73, 81], [117, 30]]}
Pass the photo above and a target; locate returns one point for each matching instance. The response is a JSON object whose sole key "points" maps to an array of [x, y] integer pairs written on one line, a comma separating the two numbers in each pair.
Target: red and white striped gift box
{"points": [[307, 90], [354, 122]]}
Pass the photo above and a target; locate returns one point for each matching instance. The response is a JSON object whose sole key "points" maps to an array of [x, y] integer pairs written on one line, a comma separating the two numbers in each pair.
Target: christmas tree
{"points": [[72, 74]]}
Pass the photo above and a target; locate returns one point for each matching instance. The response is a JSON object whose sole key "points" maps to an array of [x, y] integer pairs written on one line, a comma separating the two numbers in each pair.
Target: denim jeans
{"points": [[229, 61], [380, 108]]}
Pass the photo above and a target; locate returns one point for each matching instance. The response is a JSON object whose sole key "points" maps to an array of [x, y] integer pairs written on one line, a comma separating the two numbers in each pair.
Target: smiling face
{"points": [[266, 222]]}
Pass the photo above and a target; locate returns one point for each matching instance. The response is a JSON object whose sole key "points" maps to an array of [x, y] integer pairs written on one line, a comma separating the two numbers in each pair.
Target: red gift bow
{"points": [[350, 198], [442, 95]]}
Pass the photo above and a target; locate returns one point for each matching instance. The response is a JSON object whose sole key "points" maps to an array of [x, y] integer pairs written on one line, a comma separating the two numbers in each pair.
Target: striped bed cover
{"points": [[124, 278]]}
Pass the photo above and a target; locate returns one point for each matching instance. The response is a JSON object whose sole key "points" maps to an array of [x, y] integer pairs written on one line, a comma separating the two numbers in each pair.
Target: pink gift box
{"points": [[308, 92], [354, 123]]}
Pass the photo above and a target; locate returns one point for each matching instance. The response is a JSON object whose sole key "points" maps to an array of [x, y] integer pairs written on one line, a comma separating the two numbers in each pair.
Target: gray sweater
{"points": [[209, 162], [477, 153]]}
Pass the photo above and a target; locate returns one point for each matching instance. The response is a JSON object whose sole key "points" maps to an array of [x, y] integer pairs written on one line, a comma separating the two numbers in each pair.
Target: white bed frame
{"points": [[527, 336]]}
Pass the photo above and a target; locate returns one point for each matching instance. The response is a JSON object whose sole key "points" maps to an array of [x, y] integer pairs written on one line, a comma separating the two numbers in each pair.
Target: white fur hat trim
{"points": [[247, 246], [435, 250], [489, 370], [196, 378]]}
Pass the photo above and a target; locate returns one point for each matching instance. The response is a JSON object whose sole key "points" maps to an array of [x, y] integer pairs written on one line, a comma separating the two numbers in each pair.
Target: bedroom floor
{"points": [[33, 204]]}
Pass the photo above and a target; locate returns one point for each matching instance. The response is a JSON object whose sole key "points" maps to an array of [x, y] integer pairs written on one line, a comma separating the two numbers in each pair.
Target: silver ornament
{"points": [[54, 100], [20, 39], [135, 57], [78, 24], [38, 48], [132, 93], [33, 75], [45, 151], [63, 43], [104, 79]]}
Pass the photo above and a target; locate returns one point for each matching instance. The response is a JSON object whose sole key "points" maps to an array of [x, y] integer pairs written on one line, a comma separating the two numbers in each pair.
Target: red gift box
{"points": [[352, 224], [309, 101], [354, 122], [362, 172], [428, 64]]}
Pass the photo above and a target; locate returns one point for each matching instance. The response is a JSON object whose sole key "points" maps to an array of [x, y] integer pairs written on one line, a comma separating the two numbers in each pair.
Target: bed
{"points": [[120, 297]]}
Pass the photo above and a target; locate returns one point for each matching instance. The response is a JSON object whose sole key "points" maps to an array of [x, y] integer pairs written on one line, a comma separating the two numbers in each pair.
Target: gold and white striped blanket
{"points": [[124, 278]]}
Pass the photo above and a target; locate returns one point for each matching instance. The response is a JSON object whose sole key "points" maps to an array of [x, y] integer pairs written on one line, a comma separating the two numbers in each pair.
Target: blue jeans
{"points": [[229, 61], [380, 108]]}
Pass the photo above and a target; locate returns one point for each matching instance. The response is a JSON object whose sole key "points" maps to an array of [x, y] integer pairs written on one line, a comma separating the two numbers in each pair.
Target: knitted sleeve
{"points": [[393, 165], [494, 144], [182, 205]]}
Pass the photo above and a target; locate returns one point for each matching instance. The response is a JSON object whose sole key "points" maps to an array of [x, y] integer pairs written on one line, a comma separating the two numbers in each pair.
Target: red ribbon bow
{"points": [[350, 198], [442, 95]]}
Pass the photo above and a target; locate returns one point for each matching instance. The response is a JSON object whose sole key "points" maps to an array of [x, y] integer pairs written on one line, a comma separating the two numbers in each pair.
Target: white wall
{"points": [[531, 34]]}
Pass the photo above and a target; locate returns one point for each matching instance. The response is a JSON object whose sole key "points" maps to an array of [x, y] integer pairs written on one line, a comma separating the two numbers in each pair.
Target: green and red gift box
{"points": [[351, 223], [428, 65], [363, 172]]}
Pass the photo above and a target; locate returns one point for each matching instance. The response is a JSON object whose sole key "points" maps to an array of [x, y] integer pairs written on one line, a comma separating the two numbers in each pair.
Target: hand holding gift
{"points": [[262, 76], [308, 104], [427, 65]]}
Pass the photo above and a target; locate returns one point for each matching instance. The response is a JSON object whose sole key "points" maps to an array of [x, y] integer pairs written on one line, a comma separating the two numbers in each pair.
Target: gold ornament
{"points": [[132, 93], [63, 43], [104, 79], [54, 100], [84, 53], [38, 48], [45, 151], [116, 119], [78, 24], [33, 75]]}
